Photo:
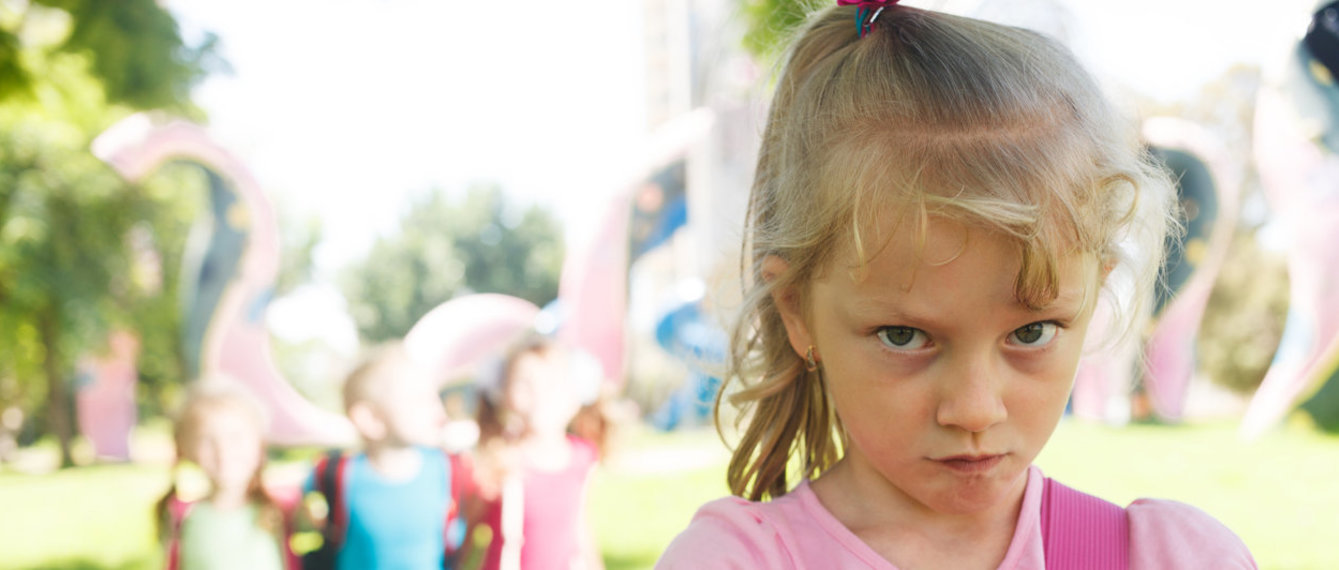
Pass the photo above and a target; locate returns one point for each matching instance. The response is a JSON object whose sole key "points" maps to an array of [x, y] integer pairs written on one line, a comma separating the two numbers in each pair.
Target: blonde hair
{"points": [[205, 399], [379, 368], [928, 115]]}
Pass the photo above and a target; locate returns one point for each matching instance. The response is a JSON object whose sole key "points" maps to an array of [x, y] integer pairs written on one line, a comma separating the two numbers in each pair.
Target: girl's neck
{"points": [[396, 463], [892, 523], [547, 451], [226, 499]]}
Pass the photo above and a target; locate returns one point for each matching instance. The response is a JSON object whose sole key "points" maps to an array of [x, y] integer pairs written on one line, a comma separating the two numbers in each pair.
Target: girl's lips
{"points": [[970, 464]]}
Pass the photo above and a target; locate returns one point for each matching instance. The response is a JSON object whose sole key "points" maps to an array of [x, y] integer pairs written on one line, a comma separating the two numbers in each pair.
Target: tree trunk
{"points": [[59, 421]]}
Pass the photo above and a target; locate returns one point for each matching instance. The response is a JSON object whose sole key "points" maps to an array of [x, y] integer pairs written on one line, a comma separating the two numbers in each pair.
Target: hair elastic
{"points": [[866, 12]]}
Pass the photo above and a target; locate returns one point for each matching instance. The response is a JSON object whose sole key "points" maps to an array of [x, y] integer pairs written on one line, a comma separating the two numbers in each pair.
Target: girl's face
{"points": [[228, 448], [412, 411], [540, 392], [947, 386]]}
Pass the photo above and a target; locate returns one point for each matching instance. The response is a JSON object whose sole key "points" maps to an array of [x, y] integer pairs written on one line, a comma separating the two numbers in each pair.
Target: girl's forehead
{"points": [[936, 253], [229, 419]]}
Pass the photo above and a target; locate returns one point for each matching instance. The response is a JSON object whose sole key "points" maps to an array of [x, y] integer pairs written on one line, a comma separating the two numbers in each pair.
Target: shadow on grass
{"points": [[625, 561], [85, 564]]}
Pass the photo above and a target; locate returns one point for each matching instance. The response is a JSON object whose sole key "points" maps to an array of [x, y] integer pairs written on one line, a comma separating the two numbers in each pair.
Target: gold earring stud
{"points": [[809, 363]]}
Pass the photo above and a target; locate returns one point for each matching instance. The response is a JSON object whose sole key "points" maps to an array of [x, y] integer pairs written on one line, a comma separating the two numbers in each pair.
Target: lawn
{"points": [[1277, 493]]}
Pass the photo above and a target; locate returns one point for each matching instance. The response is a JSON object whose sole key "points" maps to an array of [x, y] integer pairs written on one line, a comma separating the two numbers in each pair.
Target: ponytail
{"points": [[787, 409]]}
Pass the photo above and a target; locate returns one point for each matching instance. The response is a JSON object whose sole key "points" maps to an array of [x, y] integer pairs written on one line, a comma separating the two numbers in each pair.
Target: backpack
{"points": [[329, 476], [1080, 531]]}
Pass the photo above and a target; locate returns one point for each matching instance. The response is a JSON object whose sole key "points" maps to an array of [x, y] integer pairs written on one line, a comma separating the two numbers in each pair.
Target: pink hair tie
{"points": [[866, 12]]}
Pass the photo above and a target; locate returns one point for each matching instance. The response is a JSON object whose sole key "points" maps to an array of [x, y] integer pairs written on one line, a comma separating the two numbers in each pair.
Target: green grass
{"points": [[83, 518], [1278, 494]]}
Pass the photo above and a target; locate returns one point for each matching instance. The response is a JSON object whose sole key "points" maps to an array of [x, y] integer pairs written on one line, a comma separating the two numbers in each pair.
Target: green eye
{"points": [[903, 338], [1034, 334]]}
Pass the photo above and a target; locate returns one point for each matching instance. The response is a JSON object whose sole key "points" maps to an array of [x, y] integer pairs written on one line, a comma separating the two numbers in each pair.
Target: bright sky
{"points": [[345, 108]]}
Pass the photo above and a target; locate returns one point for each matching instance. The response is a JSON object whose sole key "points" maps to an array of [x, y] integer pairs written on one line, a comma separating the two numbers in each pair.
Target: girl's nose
{"points": [[972, 396]]}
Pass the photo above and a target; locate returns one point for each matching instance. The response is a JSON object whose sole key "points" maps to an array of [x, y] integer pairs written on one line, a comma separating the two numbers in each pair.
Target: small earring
{"points": [[810, 364]]}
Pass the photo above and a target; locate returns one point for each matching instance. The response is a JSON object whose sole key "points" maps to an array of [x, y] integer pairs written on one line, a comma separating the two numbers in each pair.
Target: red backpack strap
{"points": [[458, 471], [289, 501], [1080, 531], [177, 510], [330, 472]]}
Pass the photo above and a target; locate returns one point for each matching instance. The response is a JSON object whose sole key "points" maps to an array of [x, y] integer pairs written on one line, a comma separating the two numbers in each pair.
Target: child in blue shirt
{"points": [[392, 500]]}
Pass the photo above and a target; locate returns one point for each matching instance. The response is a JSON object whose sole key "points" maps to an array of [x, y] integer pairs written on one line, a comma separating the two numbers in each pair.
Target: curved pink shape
{"points": [[1170, 351], [454, 337], [234, 344], [1169, 362], [593, 290], [1105, 373], [1302, 184]]}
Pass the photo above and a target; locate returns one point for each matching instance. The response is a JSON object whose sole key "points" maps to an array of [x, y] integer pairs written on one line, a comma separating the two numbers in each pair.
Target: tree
{"points": [[482, 244], [771, 22], [68, 224], [134, 49], [63, 254]]}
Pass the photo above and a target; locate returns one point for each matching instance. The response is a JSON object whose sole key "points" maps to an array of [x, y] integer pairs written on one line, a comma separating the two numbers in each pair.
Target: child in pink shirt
{"points": [[939, 206], [531, 474]]}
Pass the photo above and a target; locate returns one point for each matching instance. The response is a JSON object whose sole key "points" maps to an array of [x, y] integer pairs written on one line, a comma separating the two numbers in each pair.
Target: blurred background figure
{"points": [[390, 503], [234, 522], [532, 474]]}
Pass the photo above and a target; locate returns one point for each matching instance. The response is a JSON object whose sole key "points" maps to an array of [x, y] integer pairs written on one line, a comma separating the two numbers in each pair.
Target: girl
{"points": [[236, 524], [531, 474], [938, 207]]}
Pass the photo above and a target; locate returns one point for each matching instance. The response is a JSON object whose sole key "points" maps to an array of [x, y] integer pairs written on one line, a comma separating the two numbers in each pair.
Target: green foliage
{"points": [[133, 48], [64, 222], [299, 239], [443, 249], [771, 23], [81, 251], [178, 193], [1244, 318]]}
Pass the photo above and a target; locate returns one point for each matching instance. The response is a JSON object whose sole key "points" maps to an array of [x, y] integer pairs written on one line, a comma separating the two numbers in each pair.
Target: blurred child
{"points": [[530, 472], [237, 524], [389, 503]]}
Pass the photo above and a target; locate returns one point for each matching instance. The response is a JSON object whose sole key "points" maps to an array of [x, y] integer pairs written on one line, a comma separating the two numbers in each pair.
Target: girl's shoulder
{"points": [[791, 531], [728, 533], [1171, 534]]}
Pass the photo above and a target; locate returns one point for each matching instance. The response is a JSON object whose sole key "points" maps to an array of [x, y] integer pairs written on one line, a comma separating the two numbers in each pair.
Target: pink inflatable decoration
{"points": [[1170, 352], [453, 337], [1302, 183], [593, 288], [236, 343], [593, 291], [1106, 373], [1104, 377], [105, 405]]}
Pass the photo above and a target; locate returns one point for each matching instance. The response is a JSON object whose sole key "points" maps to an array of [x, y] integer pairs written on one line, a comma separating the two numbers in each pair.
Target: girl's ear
{"points": [[367, 421], [788, 304]]}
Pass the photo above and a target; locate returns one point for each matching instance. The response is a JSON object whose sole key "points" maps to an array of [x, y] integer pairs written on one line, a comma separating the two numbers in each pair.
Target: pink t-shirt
{"points": [[796, 531], [552, 503]]}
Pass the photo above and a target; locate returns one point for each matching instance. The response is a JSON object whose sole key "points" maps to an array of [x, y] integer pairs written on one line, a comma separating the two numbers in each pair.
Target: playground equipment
{"points": [[232, 281], [453, 337], [1208, 185], [1296, 128]]}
